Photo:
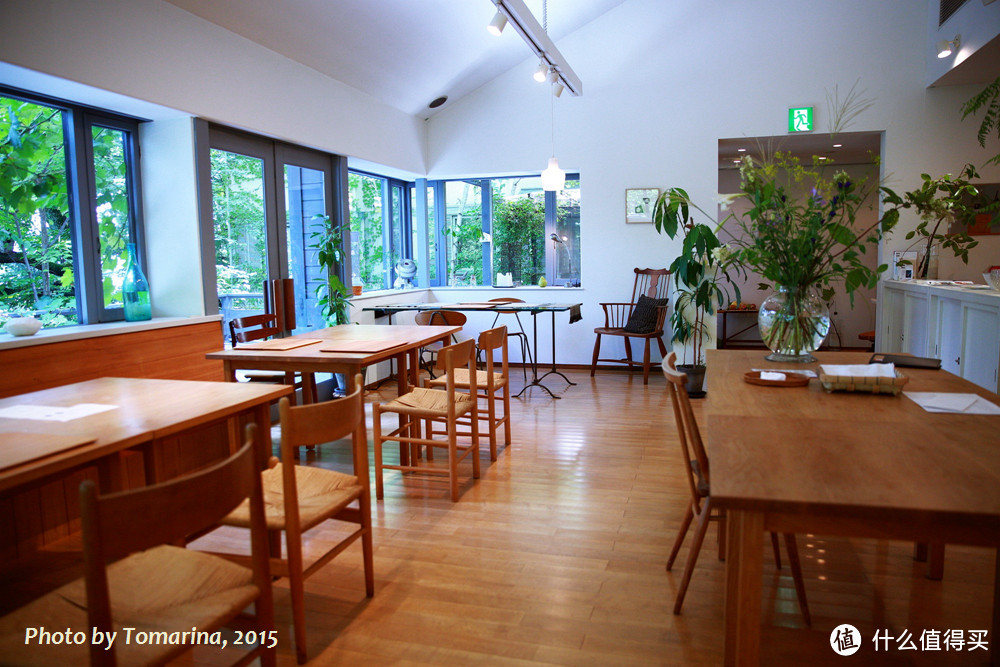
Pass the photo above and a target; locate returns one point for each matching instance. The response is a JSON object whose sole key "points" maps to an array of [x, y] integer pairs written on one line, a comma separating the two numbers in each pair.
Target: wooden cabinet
{"points": [[957, 325]]}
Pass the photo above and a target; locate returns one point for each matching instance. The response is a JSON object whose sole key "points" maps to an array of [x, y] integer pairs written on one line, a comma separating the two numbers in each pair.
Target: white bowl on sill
{"points": [[22, 326], [993, 279]]}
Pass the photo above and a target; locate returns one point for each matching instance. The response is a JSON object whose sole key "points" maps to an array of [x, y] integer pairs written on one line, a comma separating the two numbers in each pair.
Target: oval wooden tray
{"points": [[791, 380]]}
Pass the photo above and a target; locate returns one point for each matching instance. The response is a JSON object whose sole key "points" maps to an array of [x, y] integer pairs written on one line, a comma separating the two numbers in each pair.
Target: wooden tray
{"points": [[791, 380]]}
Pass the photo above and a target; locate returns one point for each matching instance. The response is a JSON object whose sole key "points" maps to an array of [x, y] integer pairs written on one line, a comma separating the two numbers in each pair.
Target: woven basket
{"points": [[869, 385]]}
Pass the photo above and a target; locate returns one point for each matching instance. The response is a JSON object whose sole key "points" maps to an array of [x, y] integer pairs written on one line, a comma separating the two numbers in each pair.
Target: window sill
{"points": [[80, 332]]}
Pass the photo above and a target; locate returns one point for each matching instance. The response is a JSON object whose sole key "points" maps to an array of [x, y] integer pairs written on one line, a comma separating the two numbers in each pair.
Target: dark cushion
{"points": [[643, 317]]}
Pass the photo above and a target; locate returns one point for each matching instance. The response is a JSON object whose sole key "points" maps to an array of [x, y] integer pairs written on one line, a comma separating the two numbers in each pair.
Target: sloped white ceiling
{"points": [[403, 53]]}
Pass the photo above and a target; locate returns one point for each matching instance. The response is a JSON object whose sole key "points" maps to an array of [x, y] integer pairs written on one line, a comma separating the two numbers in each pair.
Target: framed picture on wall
{"points": [[639, 203]]}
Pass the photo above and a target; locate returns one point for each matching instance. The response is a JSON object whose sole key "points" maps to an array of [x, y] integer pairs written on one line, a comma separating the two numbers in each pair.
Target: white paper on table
{"points": [[807, 373], [860, 370], [771, 375], [55, 413], [966, 404]]}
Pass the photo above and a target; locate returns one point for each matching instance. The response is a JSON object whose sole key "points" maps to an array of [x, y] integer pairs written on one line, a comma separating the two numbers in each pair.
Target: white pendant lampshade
{"points": [[553, 178]]}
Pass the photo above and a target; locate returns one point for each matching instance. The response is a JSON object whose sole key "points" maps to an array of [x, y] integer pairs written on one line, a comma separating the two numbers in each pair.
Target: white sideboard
{"points": [[957, 325]]}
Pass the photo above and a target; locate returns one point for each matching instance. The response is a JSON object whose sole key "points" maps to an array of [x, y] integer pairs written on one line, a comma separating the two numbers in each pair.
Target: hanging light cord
{"points": [[552, 121]]}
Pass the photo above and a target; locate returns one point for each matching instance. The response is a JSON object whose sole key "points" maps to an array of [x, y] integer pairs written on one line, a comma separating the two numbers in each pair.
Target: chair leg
{"points": [[475, 441], [685, 524], [628, 352], [453, 461], [491, 421], [796, 566], [506, 414], [645, 364], [777, 551], [597, 351], [297, 588], [721, 520], [692, 559], [377, 437]]}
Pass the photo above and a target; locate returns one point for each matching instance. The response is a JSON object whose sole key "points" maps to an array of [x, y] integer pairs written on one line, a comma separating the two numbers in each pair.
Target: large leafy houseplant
{"points": [[333, 294], [702, 262]]}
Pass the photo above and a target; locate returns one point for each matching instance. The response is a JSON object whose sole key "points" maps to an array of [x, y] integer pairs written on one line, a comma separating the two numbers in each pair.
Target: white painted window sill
{"points": [[84, 331]]}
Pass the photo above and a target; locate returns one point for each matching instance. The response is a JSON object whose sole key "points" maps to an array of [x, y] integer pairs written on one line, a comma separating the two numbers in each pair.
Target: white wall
{"points": [[664, 81], [154, 51]]}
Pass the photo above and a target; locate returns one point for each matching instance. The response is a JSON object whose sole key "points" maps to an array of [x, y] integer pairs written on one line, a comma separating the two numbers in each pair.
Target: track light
{"points": [[557, 89], [946, 47], [552, 76], [497, 25], [541, 72]]}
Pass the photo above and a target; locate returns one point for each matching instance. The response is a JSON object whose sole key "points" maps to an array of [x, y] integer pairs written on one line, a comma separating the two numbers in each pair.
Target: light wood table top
{"points": [[147, 410], [803, 460], [313, 358]]}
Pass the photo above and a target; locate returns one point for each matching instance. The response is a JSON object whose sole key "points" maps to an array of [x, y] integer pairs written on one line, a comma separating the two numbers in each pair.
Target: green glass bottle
{"points": [[135, 290]]}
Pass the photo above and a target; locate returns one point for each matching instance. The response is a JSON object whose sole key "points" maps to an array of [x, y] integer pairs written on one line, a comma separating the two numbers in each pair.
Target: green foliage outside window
{"points": [[367, 253], [238, 218], [36, 258]]}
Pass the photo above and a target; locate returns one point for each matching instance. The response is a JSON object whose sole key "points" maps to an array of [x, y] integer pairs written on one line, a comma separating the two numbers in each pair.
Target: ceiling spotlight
{"points": [[541, 72], [557, 89], [946, 47], [497, 25], [553, 75]]}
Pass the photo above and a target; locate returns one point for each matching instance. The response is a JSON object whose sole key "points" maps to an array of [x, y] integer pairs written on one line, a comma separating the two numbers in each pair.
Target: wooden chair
{"points": [[445, 406], [299, 498], [493, 386], [700, 505], [641, 318], [151, 585], [261, 327], [437, 318], [520, 335]]}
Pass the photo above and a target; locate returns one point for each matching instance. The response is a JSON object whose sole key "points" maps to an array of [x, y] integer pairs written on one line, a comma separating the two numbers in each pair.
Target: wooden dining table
{"points": [[144, 411], [343, 349], [801, 460]]}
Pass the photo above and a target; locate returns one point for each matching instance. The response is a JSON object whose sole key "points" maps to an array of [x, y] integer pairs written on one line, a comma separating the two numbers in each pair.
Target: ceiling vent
{"points": [[947, 8]]}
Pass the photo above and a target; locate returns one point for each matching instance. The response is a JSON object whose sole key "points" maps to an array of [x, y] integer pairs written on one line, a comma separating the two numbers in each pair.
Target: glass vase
{"points": [[135, 290], [793, 323]]}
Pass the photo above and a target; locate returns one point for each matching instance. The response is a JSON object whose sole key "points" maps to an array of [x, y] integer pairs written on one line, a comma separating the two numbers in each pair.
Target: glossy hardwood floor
{"points": [[556, 556]]}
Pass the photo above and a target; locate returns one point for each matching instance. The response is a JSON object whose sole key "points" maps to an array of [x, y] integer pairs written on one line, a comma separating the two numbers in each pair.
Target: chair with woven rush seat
{"points": [[641, 318], [493, 385], [151, 585], [700, 503], [437, 318], [446, 406], [520, 335], [261, 327], [299, 498]]}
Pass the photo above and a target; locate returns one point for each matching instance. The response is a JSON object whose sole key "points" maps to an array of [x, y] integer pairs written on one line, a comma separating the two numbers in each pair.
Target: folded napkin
{"points": [[860, 370], [771, 375]]}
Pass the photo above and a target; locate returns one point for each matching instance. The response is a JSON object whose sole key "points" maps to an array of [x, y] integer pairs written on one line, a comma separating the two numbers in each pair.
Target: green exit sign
{"points": [[800, 119]]}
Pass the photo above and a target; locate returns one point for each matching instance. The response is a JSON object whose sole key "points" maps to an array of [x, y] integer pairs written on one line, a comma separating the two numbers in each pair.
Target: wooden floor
{"points": [[556, 556]]}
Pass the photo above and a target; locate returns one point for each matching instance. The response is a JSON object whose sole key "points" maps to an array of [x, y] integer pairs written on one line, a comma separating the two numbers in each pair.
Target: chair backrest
{"points": [[652, 283], [452, 357], [252, 327], [506, 299], [687, 427], [489, 342], [440, 318], [316, 423], [118, 524]]}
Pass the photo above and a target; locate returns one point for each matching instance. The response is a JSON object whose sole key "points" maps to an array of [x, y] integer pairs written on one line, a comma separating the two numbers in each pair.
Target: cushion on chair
{"points": [[431, 403], [321, 493], [643, 317], [165, 589], [462, 379]]}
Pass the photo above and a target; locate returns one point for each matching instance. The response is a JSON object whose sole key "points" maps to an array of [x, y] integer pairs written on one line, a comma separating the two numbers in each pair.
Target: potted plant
{"points": [[333, 294], [703, 260]]}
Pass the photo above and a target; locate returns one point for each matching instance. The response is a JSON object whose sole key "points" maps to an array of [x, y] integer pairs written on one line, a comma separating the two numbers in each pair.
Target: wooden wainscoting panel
{"points": [[173, 353]]}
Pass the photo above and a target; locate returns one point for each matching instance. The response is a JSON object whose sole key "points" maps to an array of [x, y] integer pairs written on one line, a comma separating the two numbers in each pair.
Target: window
{"points": [[70, 205], [381, 231], [268, 198], [506, 225]]}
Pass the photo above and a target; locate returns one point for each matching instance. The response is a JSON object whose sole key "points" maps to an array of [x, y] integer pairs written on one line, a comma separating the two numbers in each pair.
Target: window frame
{"points": [[81, 193]]}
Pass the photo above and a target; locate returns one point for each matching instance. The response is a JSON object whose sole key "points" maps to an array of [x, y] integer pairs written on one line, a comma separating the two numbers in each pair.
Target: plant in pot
{"points": [[333, 294], [702, 262]]}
